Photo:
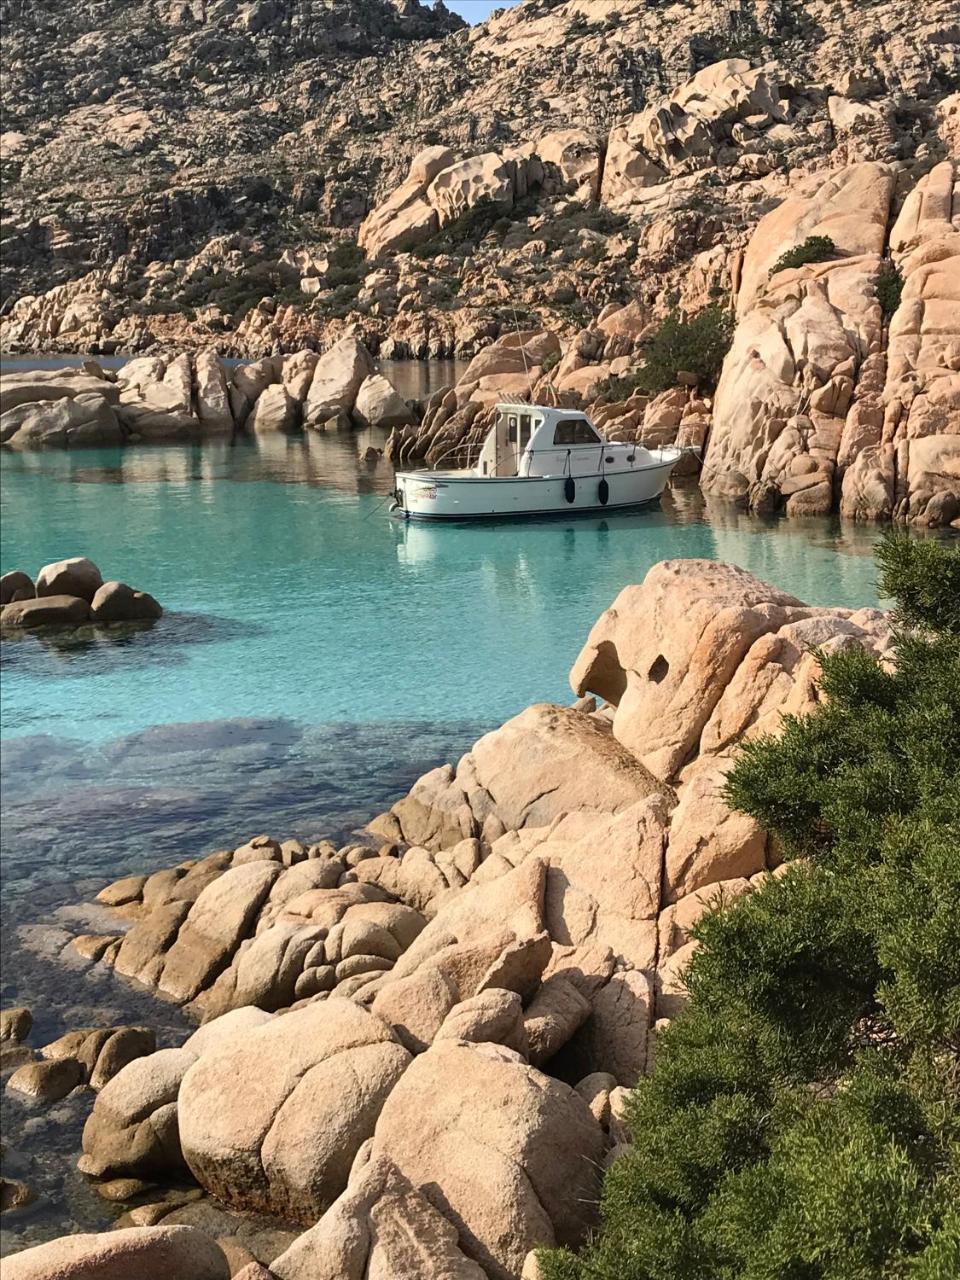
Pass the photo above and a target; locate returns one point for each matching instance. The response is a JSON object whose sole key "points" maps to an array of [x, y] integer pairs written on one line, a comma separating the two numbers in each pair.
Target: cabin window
{"points": [[512, 429], [575, 431]]}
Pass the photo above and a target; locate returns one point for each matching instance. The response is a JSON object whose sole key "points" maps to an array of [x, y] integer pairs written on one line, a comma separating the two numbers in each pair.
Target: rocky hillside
{"points": [[195, 174], [143, 129]]}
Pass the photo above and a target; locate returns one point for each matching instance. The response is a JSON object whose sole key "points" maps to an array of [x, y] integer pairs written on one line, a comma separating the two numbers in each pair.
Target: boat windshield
{"points": [[575, 431]]}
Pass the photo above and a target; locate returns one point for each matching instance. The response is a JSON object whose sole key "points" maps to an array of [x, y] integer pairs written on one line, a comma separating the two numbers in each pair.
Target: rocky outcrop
{"points": [[441, 188], [903, 437], [695, 122], [71, 593], [196, 397], [801, 338], [720, 117], [822, 396]]}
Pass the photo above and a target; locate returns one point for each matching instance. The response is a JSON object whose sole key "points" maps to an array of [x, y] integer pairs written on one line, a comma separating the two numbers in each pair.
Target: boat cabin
{"points": [[539, 440]]}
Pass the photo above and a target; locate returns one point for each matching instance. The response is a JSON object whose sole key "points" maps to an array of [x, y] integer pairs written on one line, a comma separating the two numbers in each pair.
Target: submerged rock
{"points": [[15, 1194], [15, 1024]]}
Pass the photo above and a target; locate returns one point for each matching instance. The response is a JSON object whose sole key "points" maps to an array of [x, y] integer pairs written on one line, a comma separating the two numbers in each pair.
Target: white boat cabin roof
{"points": [[547, 411]]}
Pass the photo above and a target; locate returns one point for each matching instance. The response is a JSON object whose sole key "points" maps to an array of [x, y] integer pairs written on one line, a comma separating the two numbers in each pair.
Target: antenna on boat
{"points": [[526, 367]]}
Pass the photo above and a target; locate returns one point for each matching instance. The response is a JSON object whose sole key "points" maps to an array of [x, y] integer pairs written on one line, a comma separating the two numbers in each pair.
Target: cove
{"points": [[314, 658], [315, 654]]}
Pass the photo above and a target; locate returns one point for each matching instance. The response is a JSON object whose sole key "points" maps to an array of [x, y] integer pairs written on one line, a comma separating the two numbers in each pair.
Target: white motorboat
{"points": [[538, 461]]}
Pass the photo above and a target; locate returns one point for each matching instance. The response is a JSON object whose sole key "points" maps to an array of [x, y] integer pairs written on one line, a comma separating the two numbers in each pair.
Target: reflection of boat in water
{"points": [[537, 461]]}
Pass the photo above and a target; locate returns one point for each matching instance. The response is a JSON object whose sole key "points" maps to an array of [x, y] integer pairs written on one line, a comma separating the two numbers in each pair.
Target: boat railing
{"points": [[461, 450]]}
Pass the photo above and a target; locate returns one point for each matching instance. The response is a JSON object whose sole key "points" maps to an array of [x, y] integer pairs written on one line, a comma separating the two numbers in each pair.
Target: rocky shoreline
{"points": [[415, 1048], [840, 390]]}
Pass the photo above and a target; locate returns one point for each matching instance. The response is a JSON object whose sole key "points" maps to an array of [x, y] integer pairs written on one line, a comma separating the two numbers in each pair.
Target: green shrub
{"points": [[616, 389], [550, 361], [888, 284], [345, 255], [803, 1118], [469, 228], [813, 249], [696, 345]]}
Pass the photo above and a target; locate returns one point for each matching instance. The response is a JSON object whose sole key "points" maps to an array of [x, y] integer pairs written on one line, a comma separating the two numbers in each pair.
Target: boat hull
{"points": [[439, 495]]}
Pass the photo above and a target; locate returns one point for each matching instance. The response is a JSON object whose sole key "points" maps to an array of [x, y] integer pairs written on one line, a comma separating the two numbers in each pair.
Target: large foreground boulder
{"points": [[543, 763], [133, 1130], [272, 1120], [509, 1156], [664, 651], [702, 653], [146, 1253]]}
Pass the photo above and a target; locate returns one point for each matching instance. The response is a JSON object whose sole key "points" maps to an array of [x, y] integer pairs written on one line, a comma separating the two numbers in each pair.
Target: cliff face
{"points": [[137, 134]]}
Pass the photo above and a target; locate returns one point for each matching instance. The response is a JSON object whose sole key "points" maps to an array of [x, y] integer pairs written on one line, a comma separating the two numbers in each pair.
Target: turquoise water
{"points": [[291, 593], [315, 654]]}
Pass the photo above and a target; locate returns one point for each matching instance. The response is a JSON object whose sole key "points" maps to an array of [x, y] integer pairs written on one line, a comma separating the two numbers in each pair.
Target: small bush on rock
{"points": [[696, 345], [813, 249], [888, 284], [803, 1119]]}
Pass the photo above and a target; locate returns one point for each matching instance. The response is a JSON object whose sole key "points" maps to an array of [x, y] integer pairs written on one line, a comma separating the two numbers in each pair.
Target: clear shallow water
{"points": [[313, 648], [290, 592], [315, 656]]}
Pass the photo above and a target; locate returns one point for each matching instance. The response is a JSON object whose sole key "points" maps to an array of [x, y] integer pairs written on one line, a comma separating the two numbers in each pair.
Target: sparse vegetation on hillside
{"points": [[803, 1118], [695, 345], [889, 287], [813, 249]]}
